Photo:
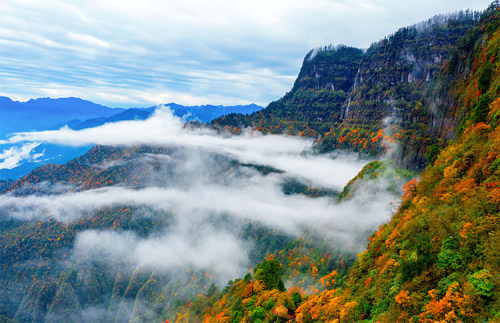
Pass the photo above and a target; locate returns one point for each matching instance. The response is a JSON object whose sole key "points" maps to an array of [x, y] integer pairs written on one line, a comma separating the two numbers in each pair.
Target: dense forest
{"points": [[437, 259], [424, 99]]}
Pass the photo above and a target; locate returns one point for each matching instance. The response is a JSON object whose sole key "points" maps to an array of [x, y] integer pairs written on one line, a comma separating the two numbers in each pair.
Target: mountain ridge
{"points": [[345, 97], [434, 260], [437, 258], [52, 114]]}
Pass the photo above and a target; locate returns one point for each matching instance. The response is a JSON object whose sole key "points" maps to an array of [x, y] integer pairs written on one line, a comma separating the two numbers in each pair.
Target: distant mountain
{"points": [[47, 113], [44, 113], [50, 114], [203, 113], [129, 114], [206, 113]]}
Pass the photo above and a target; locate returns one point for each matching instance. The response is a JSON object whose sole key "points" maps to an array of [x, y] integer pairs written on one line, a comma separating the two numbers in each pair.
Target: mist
{"points": [[207, 195], [256, 197], [220, 253], [289, 154]]}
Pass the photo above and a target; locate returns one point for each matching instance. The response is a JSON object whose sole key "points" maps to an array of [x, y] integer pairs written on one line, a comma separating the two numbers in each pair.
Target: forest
{"points": [[393, 154], [436, 259]]}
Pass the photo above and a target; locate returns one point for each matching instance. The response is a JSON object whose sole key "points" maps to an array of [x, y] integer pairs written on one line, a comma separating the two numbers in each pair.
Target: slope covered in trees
{"points": [[437, 259], [43, 278]]}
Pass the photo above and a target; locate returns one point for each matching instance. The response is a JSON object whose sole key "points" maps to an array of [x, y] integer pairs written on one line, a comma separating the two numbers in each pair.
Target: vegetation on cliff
{"points": [[437, 259], [367, 101]]}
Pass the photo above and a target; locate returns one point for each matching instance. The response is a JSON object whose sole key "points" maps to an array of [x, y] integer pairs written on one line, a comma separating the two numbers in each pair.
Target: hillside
{"points": [[40, 280], [365, 101], [44, 275], [437, 259], [158, 230]]}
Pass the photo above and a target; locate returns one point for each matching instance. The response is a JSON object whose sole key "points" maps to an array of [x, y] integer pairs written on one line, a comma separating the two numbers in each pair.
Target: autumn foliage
{"points": [[437, 259]]}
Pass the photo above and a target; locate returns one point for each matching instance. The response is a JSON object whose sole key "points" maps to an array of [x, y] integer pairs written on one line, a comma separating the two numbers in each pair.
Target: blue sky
{"points": [[127, 53]]}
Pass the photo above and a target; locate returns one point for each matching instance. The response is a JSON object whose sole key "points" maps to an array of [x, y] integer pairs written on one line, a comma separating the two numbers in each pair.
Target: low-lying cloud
{"points": [[207, 196], [203, 233], [221, 253], [290, 154], [12, 156], [245, 198]]}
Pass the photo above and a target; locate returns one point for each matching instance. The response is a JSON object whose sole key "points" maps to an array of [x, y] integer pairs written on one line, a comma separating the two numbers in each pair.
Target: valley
{"points": [[367, 193]]}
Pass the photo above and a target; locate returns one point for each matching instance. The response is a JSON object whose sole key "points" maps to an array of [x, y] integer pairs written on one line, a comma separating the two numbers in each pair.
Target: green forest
{"points": [[421, 107]]}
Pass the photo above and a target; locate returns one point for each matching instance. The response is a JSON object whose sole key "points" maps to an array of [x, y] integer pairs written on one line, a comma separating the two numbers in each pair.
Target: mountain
{"points": [[41, 274], [44, 113], [202, 113], [53, 114], [129, 114], [81, 241], [363, 100], [437, 259], [38, 115], [206, 113]]}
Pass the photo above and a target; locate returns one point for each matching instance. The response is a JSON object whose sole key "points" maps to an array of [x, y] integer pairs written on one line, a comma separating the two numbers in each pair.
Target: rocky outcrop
{"points": [[345, 96]]}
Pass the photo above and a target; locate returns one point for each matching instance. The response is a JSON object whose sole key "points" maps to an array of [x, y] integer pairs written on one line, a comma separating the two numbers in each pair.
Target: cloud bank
{"points": [[207, 184], [196, 236], [13, 156], [290, 154], [258, 198]]}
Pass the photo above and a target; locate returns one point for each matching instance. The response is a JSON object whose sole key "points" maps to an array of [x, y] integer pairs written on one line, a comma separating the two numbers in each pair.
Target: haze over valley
{"points": [[360, 185]]}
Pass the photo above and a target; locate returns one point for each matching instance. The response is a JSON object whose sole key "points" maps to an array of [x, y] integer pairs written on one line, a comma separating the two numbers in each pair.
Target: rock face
{"points": [[329, 68], [395, 86], [394, 71]]}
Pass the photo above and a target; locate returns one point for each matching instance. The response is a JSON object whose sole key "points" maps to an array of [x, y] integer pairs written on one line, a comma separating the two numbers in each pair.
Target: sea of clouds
{"points": [[213, 202]]}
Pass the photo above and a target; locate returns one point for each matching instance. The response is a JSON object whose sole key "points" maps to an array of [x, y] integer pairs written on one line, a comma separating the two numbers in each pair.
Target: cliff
{"points": [[367, 101], [437, 258]]}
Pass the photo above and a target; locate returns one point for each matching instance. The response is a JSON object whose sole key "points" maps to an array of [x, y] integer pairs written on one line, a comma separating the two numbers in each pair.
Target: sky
{"points": [[124, 53]]}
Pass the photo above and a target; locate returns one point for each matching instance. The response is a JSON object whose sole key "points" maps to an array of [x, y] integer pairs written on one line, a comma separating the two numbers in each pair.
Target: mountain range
{"points": [[356, 99], [51, 114], [160, 230]]}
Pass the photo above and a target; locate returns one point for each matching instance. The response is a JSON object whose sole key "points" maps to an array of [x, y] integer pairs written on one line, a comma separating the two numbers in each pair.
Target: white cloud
{"points": [[290, 154], [88, 40], [13, 156], [255, 198], [203, 250]]}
